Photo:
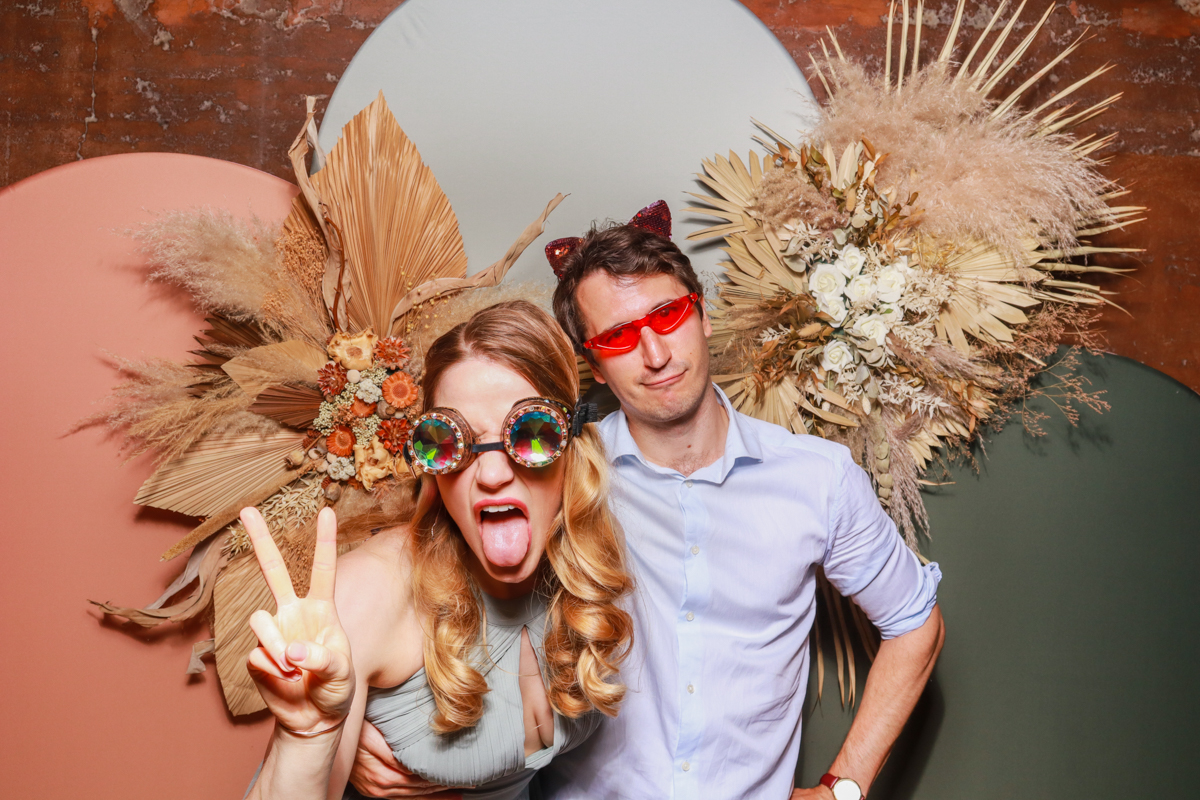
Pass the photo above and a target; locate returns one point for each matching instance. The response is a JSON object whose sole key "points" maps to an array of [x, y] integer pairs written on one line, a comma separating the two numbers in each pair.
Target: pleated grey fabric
{"points": [[491, 755]]}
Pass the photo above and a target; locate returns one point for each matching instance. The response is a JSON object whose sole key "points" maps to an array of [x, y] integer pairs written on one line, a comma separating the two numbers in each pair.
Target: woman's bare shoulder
{"points": [[374, 603]]}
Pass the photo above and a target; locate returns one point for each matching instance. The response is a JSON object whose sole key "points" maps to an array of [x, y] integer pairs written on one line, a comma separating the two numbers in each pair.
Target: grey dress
{"points": [[490, 755]]}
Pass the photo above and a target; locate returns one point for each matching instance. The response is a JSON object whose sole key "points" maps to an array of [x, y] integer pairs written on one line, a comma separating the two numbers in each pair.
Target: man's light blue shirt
{"points": [[725, 561]]}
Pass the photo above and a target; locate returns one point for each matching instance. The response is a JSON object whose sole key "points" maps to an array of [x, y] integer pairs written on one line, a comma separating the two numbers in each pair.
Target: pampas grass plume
{"points": [[977, 178]]}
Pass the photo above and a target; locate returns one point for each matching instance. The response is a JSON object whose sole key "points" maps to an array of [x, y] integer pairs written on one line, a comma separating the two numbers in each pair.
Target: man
{"points": [[727, 520]]}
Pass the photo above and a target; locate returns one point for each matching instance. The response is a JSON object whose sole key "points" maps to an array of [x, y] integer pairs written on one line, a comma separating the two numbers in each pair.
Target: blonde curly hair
{"points": [[587, 633]]}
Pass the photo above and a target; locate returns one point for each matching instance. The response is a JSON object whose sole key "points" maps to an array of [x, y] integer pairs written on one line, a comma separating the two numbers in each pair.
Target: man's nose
{"points": [[655, 352], [493, 469]]}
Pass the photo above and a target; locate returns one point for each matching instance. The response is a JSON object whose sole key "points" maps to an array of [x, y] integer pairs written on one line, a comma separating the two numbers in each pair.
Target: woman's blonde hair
{"points": [[587, 634]]}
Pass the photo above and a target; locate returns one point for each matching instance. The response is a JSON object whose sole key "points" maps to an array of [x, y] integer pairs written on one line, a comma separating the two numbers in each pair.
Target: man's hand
{"points": [[377, 773], [815, 793]]}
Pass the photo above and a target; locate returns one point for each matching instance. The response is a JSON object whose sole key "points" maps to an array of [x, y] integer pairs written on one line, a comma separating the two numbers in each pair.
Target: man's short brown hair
{"points": [[622, 251]]}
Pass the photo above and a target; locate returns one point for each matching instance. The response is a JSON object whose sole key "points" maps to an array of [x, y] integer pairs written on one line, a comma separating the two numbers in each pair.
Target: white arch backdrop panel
{"points": [[612, 101]]}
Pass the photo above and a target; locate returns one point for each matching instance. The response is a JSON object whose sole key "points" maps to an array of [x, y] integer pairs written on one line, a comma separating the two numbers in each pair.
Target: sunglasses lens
{"points": [[536, 437], [624, 337], [434, 444], [667, 318]]}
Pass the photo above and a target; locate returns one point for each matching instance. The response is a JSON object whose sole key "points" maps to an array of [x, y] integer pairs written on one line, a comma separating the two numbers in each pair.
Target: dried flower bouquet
{"points": [[302, 392]]}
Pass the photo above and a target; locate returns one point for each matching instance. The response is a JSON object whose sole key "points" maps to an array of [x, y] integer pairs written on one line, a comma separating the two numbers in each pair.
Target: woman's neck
{"points": [[497, 588]]}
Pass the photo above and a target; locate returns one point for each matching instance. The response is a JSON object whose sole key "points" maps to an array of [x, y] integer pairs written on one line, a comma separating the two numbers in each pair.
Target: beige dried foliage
{"points": [[226, 264], [229, 266], [977, 178], [280, 365], [156, 411], [302, 255], [781, 199]]}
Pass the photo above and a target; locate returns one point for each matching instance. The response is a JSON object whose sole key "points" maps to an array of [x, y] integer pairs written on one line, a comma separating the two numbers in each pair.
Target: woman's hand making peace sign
{"points": [[302, 665]]}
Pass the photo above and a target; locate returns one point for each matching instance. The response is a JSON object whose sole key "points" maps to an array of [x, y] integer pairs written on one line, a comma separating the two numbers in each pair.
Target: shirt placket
{"points": [[689, 627]]}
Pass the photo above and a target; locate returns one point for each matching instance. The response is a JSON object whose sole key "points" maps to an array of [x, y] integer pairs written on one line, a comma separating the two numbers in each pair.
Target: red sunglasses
{"points": [[662, 320]]}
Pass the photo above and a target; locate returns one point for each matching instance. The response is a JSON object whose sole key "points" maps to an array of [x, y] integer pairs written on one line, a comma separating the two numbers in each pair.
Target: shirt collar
{"points": [[741, 446]]}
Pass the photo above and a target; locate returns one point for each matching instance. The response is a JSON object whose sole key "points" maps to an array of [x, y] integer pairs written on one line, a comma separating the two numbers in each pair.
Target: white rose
{"points": [[850, 261], [825, 279], [837, 356], [834, 305], [860, 287], [872, 327], [890, 283]]}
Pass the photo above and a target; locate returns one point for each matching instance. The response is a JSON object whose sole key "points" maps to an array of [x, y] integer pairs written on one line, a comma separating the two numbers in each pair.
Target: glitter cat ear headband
{"points": [[655, 218]]}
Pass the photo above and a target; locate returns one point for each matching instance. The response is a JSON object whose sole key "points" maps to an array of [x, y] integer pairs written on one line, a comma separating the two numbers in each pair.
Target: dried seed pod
{"points": [[333, 491], [295, 458], [885, 480], [883, 464]]}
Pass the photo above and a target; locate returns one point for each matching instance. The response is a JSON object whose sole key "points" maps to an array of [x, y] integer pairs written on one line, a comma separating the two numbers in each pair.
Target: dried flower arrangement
{"points": [[896, 280], [305, 381]]}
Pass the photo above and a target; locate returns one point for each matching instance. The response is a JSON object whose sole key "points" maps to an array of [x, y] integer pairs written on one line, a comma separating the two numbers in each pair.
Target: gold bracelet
{"points": [[311, 734]]}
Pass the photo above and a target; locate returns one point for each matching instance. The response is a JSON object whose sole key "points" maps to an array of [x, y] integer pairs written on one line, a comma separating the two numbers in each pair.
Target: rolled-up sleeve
{"points": [[867, 560]]}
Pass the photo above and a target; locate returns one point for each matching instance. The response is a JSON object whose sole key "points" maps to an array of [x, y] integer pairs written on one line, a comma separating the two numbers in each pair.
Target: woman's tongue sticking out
{"points": [[506, 535]]}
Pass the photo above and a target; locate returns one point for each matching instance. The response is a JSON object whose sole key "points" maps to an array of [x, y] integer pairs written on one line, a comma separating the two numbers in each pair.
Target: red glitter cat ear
{"points": [[558, 250], [655, 218]]}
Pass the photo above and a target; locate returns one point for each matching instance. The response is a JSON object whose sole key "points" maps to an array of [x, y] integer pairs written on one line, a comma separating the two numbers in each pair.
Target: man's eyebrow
{"points": [[659, 304]]}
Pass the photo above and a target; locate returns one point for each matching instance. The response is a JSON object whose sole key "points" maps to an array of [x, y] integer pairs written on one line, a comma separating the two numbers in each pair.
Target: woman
{"points": [[485, 631]]}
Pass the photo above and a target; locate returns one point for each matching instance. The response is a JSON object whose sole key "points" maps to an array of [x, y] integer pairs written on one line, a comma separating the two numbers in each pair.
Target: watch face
{"points": [[846, 789]]}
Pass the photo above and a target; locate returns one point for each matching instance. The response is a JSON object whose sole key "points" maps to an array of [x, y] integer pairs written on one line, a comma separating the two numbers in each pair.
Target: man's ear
{"points": [[708, 329], [591, 362]]}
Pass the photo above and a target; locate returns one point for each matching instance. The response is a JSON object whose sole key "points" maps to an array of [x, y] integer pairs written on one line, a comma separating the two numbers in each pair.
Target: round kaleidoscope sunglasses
{"points": [[662, 320], [535, 433]]}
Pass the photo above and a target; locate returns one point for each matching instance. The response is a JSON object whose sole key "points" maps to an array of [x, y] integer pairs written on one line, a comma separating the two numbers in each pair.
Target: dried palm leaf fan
{"points": [[303, 385], [897, 279]]}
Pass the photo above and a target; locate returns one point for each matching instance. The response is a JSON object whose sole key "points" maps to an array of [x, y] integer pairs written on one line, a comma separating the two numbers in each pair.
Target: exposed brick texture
{"points": [[225, 78]]}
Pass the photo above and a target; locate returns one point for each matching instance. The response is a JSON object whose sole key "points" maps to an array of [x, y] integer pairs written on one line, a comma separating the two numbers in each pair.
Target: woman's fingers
{"points": [[269, 560], [321, 661], [259, 661], [325, 557], [272, 641]]}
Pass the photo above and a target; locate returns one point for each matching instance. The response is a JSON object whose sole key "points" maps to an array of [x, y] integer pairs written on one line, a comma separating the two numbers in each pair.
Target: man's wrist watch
{"points": [[842, 788]]}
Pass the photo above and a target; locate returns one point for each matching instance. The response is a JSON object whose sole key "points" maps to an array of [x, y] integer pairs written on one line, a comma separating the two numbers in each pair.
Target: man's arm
{"points": [[894, 684]]}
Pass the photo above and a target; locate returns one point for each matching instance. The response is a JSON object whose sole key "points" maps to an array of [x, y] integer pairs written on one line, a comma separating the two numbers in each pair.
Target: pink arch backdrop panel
{"points": [[93, 709]]}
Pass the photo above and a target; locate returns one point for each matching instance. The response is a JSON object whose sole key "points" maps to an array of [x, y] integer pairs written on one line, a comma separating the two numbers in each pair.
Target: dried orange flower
{"points": [[340, 441], [399, 390], [391, 352], [352, 352], [394, 433], [331, 379], [361, 408]]}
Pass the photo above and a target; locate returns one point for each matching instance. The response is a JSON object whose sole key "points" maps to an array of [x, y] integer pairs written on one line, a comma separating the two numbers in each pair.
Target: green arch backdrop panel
{"points": [[1072, 607]]}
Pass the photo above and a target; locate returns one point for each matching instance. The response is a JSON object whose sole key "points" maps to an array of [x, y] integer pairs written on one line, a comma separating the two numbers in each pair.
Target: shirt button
{"points": [[688, 484], [691, 689], [695, 549], [686, 766], [690, 616]]}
